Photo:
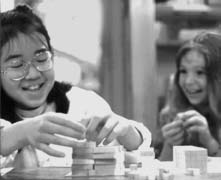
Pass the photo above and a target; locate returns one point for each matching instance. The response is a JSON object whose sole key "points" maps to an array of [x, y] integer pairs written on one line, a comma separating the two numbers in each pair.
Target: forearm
{"points": [[166, 153], [12, 138], [210, 143]]}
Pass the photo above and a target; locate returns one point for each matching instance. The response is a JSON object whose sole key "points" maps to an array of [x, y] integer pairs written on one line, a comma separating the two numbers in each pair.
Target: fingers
{"points": [[96, 124], [197, 120], [47, 149], [172, 126], [62, 120], [62, 130], [107, 128], [171, 132], [117, 131], [177, 138], [59, 140], [187, 114], [193, 129]]}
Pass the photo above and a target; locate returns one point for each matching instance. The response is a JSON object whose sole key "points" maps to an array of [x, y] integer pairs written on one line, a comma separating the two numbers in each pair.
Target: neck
{"points": [[27, 113]]}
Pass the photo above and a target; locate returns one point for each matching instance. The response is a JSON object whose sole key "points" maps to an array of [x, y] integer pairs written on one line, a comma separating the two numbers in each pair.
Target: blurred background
{"points": [[122, 49]]}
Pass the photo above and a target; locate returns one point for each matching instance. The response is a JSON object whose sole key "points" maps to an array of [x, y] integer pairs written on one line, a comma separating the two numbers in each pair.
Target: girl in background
{"points": [[192, 114]]}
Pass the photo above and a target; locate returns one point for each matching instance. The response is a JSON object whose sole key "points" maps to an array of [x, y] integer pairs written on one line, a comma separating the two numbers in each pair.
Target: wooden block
{"points": [[108, 172], [83, 161], [82, 166], [108, 161], [88, 144], [108, 155], [108, 149], [82, 151], [192, 172], [109, 167], [147, 152], [81, 173], [83, 156], [190, 157]]}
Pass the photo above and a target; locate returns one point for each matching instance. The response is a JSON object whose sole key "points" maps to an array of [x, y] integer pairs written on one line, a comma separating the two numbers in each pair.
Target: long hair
{"points": [[209, 44]]}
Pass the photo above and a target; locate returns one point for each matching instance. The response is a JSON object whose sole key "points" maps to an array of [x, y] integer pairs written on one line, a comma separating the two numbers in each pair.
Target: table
{"points": [[58, 173], [50, 173]]}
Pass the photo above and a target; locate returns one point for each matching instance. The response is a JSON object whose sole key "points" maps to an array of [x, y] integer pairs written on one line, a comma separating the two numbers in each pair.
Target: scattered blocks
{"points": [[193, 157]]}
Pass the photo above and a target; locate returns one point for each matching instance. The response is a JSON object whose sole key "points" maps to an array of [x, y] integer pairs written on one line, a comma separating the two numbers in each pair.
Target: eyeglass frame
{"points": [[27, 65]]}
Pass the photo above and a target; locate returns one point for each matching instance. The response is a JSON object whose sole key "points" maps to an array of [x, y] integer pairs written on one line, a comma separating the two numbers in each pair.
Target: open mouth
{"points": [[193, 94], [35, 87]]}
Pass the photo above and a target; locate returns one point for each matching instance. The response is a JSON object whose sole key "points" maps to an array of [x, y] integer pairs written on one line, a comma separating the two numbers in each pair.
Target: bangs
{"points": [[37, 37], [12, 45]]}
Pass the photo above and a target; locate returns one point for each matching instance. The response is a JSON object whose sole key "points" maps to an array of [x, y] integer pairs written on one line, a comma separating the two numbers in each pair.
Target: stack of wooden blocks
{"points": [[190, 157], [92, 160]]}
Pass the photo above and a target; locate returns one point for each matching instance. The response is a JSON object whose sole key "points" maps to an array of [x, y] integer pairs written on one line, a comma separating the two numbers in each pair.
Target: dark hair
{"points": [[23, 20], [209, 44]]}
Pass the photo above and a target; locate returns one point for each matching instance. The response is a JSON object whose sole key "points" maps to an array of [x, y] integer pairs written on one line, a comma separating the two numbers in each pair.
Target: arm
{"points": [[194, 122], [6, 161], [103, 124], [40, 132], [12, 138], [166, 153], [172, 134]]}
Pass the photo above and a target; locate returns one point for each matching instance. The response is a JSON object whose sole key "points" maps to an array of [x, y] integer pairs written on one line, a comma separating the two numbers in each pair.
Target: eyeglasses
{"points": [[17, 68]]}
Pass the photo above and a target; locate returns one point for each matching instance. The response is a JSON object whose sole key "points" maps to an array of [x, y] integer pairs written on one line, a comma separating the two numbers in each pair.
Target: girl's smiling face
{"points": [[32, 91], [193, 77]]}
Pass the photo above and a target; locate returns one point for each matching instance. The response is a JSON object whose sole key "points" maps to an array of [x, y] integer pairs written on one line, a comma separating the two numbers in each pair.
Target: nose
{"points": [[32, 72], [190, 79]]}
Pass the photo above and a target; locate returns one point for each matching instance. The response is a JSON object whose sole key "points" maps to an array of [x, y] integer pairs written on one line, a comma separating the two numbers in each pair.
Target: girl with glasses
{"points": [[39, 113]]}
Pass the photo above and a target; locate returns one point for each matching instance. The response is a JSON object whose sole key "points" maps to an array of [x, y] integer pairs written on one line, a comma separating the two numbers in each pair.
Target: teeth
{"points": [[193, 92], [33, 87]]}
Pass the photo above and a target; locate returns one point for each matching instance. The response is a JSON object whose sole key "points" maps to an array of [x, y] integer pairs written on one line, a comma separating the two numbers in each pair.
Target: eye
{"points": [[182, 71], [16, 63], [200, 72], [43, 56]]}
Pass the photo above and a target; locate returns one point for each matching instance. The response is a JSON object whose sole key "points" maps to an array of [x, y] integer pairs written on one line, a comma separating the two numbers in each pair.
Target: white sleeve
{"points": [[144, 132], [86, 103], [6, 161]]}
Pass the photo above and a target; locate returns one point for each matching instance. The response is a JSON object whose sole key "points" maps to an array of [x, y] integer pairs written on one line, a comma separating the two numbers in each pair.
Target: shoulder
{"points": [[4, 123], [80, 94], [87, 101]]}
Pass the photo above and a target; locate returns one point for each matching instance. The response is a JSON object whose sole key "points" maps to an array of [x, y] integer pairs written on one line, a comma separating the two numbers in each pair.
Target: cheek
{"points": [[50, 75], [181, 81], [203, 82], [9, 86]]}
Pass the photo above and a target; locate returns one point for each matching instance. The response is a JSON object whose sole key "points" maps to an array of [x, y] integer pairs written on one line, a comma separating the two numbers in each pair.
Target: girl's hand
{"points": [[194, 122], [109, 128], [173, 132], [52, 128]]}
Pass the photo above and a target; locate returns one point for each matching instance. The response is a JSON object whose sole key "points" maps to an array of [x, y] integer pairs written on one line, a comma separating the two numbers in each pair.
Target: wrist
{"points": [[23, 137]]}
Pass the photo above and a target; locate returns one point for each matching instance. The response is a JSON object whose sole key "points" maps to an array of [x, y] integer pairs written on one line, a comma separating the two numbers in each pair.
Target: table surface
{"points": [[50, 173], [58, 173]]}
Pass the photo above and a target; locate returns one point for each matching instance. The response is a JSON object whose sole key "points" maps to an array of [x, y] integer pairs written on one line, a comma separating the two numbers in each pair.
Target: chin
{"points": [[31, 104], [195, 102]]}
